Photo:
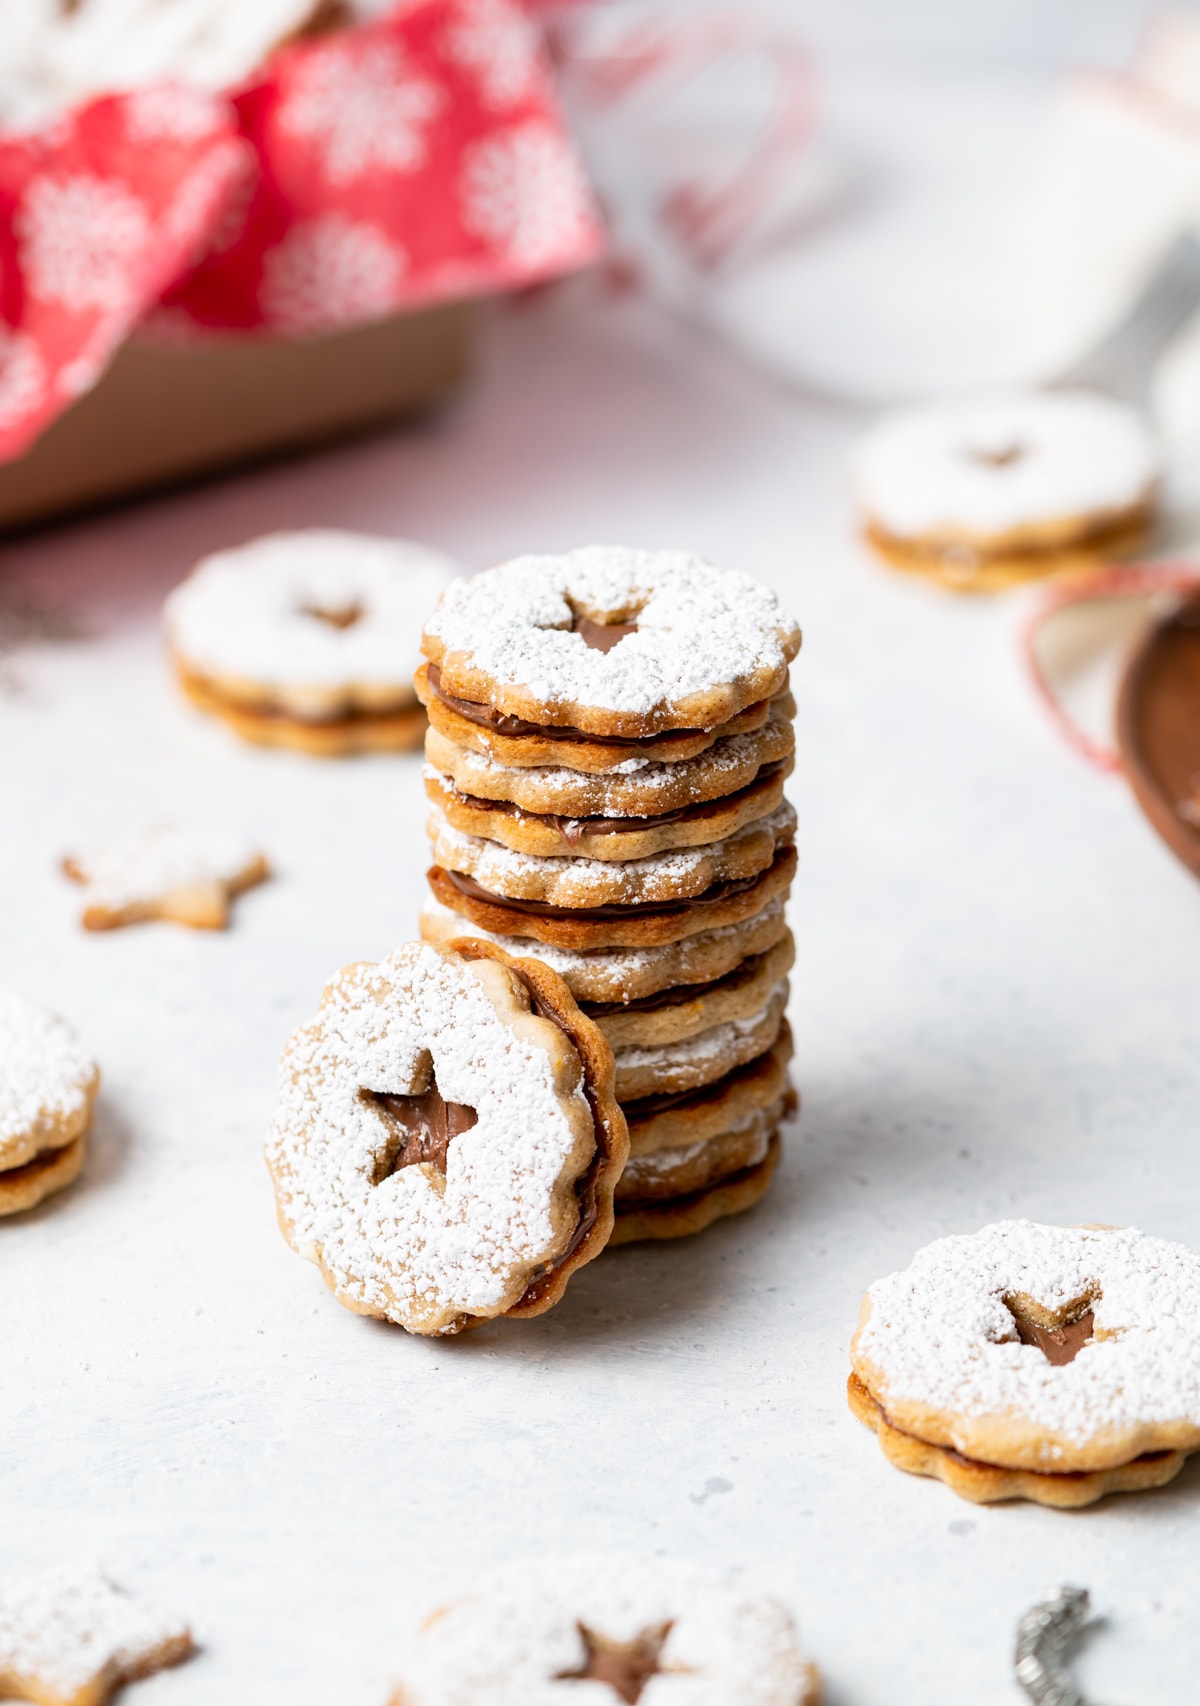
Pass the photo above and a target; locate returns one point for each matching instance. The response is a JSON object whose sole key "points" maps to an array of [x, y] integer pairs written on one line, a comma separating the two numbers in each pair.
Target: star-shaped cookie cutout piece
{"points": [[68, 1637], [625, 1666], [165, 873]]}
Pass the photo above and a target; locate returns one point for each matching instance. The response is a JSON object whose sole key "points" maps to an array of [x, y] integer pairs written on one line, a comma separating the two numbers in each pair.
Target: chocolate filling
{"points": [[676, 996], [1059, 1345], [421, 1128], [39, 1164], [602, 636], [626, 1668], [573, 829], [502, 724], [637, 909]]}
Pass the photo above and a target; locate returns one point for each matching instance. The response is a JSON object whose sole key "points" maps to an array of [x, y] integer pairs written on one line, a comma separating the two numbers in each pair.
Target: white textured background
{"points": [[997, 1001]]}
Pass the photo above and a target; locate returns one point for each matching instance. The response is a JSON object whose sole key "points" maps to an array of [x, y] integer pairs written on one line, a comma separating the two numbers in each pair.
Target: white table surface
{"points": [[996, 1005]]}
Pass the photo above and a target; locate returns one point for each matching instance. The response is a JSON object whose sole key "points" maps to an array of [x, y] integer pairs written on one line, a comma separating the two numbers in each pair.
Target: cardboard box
{"points": [[163, 414]]}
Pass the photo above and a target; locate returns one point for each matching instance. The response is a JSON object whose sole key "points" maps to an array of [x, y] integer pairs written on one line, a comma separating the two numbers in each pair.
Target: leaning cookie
{"points": [[308, 640], [990, 492], [48, 1086], [447, 1141], [1050, 1363], [539, 1633]]}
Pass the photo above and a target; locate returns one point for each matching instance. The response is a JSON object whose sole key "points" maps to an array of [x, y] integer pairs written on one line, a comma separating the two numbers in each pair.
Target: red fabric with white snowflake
{"points": [[416, 159]]}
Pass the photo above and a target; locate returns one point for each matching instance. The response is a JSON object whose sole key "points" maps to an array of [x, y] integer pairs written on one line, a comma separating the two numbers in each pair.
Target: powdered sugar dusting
{"points": [[46, 1076], [697, 627], [409, 1248], [249, 612], [987, 465], [160, 861], [940, 1335], [637, 788], [66, 1628], [567, 881], [707, 1054], [515, 1640]]}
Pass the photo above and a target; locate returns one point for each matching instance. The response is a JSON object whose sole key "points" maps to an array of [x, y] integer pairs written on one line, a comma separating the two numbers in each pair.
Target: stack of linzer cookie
{"points": [[610, 732]]}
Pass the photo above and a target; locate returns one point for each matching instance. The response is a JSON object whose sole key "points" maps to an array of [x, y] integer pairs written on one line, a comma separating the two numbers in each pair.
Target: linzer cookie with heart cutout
{"points": [[308, 640], [596, 801], [614, 643], [1051, 1363], [447, 1142], [988, 492], [613, 1628], [48, 1086]]}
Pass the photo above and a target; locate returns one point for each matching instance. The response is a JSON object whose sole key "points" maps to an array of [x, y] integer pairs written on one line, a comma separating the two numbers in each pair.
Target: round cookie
{"points": [[516, 742], [682, 1217], [648, 925], [580, 882], [985, 492], [1043, 1362], [308, 640], [607, 975], [552, 836], [673, 1068], [556, 1630], [689, 1167], [447, 1142], [48, 1086], [636, 788], [673, 1015], [665, 1121], [48, 1083], [612, 641]]}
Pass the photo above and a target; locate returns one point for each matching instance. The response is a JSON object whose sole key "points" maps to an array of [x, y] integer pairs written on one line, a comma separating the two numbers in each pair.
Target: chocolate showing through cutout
{"points": [[996, 455], [1059, 1345], [626, 1670], [346, 617], [602, 636], [421, 1128]]}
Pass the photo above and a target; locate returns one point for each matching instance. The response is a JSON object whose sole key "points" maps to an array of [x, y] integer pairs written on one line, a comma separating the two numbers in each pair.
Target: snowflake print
{"points": [[500, 45], [330, 272], [171, 113], [22, 377], [80, 238], [363, 107], [523, 190]]}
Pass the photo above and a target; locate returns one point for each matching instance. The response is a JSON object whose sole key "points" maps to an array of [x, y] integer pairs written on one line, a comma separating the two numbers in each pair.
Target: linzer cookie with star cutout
{"points": [[608, 1628], [447, 1141], [1051, 1363], [48, 1085], [610, 733], [308, 640]]}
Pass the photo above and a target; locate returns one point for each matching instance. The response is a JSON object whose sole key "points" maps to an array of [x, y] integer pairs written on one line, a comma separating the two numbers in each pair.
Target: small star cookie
{"points": [[165, 873], [68, 1637]]}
